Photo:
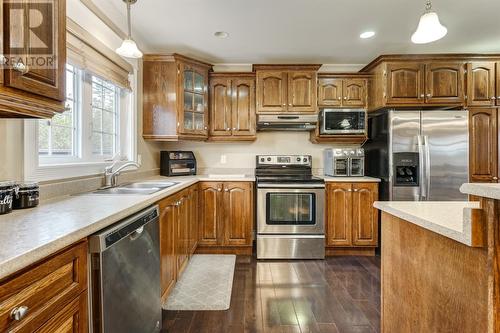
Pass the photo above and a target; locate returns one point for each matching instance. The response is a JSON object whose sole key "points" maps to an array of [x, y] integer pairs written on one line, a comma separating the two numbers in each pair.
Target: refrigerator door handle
{"points": [[427, 166], [421, 166]]}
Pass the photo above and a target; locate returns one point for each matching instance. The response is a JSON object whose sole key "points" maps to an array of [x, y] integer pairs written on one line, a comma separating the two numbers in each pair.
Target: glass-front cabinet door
{"points": [[193, 118]]}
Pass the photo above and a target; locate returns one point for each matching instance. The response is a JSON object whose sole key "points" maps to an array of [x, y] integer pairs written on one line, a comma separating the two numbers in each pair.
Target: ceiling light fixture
{"points": [[129, 49], [367, 34], [429, 28], [221, 34]]}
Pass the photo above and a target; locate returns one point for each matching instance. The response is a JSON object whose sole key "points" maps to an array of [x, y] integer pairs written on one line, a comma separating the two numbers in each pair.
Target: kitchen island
{"points": [[438, 267]]}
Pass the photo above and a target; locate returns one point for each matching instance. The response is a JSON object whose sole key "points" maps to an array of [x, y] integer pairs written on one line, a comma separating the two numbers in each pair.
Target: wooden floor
{"points": [[339, 294]]}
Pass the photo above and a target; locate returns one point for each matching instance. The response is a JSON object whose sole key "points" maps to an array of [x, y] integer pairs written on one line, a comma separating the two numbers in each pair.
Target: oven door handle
{"points": [[293, 186]]}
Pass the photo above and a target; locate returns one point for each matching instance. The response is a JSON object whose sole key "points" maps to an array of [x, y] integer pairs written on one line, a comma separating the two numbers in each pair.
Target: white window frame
{"points": [[73, 167]]}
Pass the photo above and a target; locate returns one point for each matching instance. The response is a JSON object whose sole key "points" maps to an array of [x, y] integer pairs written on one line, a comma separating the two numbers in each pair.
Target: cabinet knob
{"points": [[226, 190], [345, 98], [493, 98], [219, 190], [234, 128], [19, 313], [206, 127], [422, 95], [3, 59], [284, 104], [355, 190], [349, 190], [20, 67], [340, 98], [429, 95], [495, 178]]}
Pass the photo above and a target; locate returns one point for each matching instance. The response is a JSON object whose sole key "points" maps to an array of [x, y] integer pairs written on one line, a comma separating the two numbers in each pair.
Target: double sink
{"points": [[144, 188]]}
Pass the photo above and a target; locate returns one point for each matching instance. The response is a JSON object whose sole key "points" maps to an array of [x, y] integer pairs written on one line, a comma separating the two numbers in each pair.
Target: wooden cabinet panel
{"points": [[481, 84], [329, 92], [44, 289], [73, 318], [354, 92], [498, 83], [302, 91], [182, 234], [40, 80], [364, 215], [168, 260], [220, 107], [209, 204], [238, 213], [445, 82], [243, 107], [483, 144], [339, 214], [271, 91], [404, 83], [193, 219]]}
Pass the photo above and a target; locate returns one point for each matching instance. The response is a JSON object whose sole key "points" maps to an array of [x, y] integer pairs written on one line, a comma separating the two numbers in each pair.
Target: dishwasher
{"points": [[125, 276]]}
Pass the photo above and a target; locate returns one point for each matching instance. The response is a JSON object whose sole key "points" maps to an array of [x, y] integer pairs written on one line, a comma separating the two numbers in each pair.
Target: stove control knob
{"points": [[298, 159], [305, 159], [269, 159], [262, 159]]}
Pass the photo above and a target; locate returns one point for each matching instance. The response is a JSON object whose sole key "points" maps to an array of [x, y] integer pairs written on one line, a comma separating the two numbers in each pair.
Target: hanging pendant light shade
{"points": [[129, 48], [429, 28]]}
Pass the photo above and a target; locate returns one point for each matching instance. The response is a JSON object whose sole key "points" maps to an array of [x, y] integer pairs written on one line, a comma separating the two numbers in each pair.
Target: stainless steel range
{"points": [[290, 208]]}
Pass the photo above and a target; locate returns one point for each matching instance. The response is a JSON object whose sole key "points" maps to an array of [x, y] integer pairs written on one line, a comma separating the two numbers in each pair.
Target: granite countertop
{"points": [[364, 179], [26, 236], [448, 218], [486, 190]]}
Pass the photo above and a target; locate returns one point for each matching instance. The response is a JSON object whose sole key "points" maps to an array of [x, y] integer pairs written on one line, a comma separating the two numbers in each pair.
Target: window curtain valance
{"points": [[90, 54]]}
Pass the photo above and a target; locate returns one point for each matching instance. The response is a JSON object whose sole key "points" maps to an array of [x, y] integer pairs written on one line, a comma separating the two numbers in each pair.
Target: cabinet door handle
{"points": [[226, 190], [19, 313], [422, 95], [219, 190], [429, 95], [345, 98], [493, 98], [234, 128], [495, 178]]}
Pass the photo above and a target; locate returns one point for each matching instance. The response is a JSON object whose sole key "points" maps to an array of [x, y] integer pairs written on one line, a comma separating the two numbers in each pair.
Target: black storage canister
{"points": [[6, 196], [26, 195]]}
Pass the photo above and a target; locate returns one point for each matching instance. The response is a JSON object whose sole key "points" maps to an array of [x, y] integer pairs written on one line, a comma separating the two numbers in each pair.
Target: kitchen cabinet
{"points": [[53, 292], [341, 92], [182, 231], [405, 83], [351, 219], [445, 82], [483, 145], [286, 89], [29, 90], [226, 216], [498, 82], [175, 98], [232, 107], [168, 259], [193, 219], [481, 79]]}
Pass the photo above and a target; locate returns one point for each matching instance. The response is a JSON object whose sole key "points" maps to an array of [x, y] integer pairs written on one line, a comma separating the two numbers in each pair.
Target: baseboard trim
{"points": [[350, 251]]}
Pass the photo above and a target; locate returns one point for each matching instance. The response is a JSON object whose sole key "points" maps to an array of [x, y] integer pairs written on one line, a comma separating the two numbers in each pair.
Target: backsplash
{"points": [[241, 155]]}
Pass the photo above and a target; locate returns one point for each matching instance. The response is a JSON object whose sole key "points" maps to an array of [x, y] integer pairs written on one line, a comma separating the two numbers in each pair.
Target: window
{"points": [[96, 128]]}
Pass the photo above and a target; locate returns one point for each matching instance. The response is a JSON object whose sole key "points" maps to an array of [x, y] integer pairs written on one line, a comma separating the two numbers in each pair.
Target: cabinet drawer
{"points": [[71, 319], [43, 288]]}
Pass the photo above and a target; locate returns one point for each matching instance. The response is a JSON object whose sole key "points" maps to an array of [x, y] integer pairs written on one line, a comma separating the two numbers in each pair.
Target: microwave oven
{"points": [[343, 121]]}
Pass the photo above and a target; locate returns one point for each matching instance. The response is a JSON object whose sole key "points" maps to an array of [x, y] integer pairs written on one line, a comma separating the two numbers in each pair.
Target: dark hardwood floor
{"points": [[339, 294]]}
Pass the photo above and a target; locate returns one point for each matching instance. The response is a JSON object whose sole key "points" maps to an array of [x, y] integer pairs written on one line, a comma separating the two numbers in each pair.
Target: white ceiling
{"points": [[304, 31]]}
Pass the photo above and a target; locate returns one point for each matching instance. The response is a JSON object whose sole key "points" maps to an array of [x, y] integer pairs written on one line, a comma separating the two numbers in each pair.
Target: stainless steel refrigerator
{"points": [[420, 155]]}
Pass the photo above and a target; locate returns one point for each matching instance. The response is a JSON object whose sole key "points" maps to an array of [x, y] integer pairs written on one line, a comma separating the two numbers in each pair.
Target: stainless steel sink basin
{"points": [[144, 188]]}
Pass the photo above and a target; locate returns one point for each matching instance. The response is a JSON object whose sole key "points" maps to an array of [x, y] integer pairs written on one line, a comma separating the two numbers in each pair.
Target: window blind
{"points": [[91, 55]]}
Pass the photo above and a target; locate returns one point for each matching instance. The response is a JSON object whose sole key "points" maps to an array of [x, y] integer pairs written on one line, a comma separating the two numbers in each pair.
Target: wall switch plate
{"points": [[223, 159]]}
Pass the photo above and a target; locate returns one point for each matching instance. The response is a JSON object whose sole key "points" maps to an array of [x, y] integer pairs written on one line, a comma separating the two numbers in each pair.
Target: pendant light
{"points": [[429, 28], [129, 49]]}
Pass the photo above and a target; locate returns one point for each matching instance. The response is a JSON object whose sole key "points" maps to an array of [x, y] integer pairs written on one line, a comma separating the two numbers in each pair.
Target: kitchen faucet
{"points": [[111, 177]]}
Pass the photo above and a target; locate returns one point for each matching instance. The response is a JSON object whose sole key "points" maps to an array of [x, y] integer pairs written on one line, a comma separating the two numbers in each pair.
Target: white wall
{"points": [[241, 155]]}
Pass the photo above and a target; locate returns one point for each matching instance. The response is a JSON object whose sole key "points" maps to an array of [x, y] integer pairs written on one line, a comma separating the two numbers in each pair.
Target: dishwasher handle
{"points": [[132, 228]]}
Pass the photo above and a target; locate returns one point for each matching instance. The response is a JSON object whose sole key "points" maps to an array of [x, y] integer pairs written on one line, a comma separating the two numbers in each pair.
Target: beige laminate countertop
{"points": [[448, 218], [364, 179], [485, 190], [27, 236]]}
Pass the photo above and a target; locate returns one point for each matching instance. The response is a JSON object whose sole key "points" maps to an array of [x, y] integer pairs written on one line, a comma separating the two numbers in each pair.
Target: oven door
{"points": [[288, 209], [336, 121]]}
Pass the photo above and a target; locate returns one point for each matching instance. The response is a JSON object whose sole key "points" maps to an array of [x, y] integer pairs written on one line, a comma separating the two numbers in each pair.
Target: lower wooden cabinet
{"points": [[53, 293], [178, 235], [483, 142], [226, 215], [351, 219]]}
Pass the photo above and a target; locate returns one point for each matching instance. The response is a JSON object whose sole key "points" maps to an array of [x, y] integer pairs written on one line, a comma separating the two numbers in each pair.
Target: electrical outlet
{"points": [[223, 159]]}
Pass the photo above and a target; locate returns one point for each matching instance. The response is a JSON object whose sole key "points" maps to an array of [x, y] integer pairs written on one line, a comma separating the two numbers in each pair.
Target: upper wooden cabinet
{"points": [[445, 82], [286, 89], [226, 214], [404, 83], [351, 219], [334, 91], [175, 98], [483, 145], [35, 86], [232, 107], [482, 84]]}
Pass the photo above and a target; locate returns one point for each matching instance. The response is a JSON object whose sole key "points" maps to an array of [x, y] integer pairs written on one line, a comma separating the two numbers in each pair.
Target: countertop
{"points": [[448, 218], [364, 179], [27, 236], [486, 190]]}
